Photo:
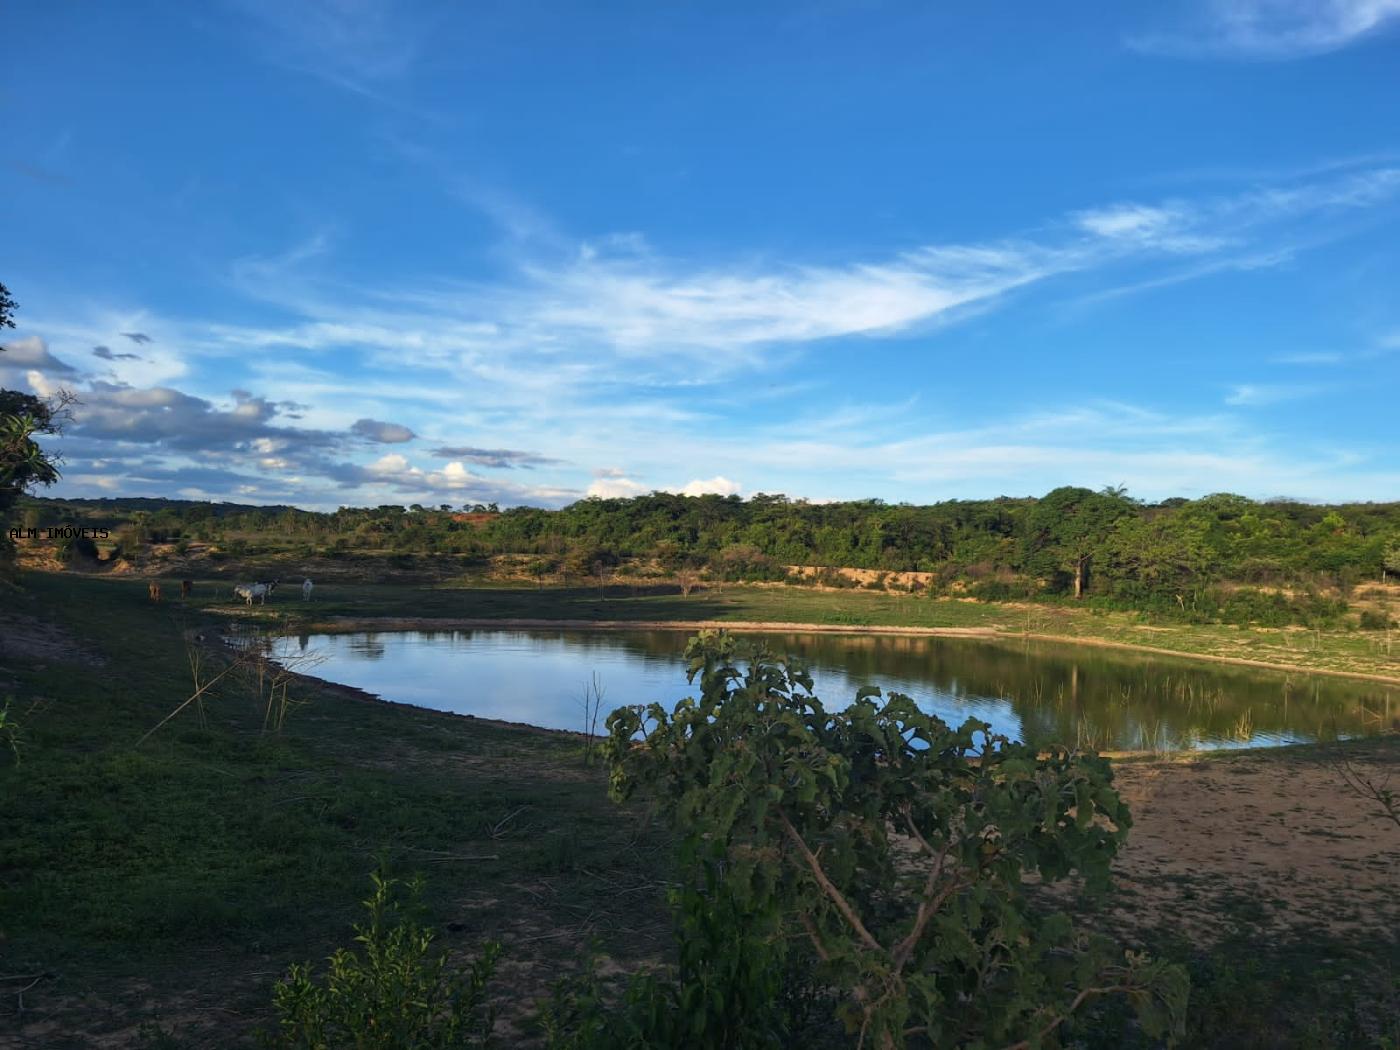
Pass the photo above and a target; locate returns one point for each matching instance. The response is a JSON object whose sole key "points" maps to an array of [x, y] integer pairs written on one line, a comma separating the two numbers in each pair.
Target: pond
{"points": [[1036, 692]]}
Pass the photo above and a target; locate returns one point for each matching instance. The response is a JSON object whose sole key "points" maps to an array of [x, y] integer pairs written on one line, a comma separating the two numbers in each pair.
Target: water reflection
{"points": [[1036, 692]]}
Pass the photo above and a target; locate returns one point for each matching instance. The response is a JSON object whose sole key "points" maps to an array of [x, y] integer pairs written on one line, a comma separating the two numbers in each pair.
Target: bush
{"points": [[877, 846], [1374, 621], [79, 550], [1269, 609], [996, 590], [832, 577], [390, 994]]}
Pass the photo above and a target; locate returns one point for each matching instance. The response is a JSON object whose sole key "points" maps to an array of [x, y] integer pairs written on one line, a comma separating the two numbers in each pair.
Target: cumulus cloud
{"points": [[501, 458], [394, 472], [616, 488], [392, 465], [32, 352], [716, 485], [610, 483], [166, 417], [384, 433], [140, 338]]}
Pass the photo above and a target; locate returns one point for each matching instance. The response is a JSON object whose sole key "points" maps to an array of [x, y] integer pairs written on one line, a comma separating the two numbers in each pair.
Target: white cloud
{"points": [[717, 485], [616, 488], [32, 352], [1136, 221], [555, 325], [621, 352], [640, 308], [392, 465], [1272, 29], [610, 483], [1253, 394], [353, 44]]}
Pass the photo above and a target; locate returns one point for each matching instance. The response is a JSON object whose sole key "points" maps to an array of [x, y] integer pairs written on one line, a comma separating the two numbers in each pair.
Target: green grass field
{"points": [[169, 882]]}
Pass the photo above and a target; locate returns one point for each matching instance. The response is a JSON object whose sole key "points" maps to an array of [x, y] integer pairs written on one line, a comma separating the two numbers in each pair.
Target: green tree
{"points": [[1164, 557], [23, 463], [1066, 528], [8, 306]]}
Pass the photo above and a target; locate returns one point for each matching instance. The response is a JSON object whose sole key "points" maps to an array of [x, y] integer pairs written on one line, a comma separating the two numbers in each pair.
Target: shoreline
{"points": [[345, 625], [355, 693]]}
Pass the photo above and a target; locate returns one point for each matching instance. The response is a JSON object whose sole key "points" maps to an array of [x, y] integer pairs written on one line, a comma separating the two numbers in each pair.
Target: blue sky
{"points": [[367, 252]]}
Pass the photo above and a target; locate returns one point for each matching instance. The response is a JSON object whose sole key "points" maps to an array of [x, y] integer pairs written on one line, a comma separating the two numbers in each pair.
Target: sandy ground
{"points": [[1277, 830]]}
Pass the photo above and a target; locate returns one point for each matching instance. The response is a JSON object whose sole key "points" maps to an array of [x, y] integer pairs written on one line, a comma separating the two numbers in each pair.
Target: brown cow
{"points": [[186, 588], [153, 591]]}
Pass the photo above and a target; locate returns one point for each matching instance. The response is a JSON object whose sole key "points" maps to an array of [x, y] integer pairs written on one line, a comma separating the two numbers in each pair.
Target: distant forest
{"points": [[1191, 557]]}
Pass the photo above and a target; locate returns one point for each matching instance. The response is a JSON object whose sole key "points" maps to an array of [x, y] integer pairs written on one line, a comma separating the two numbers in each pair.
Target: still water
{"points": [[1036, 692]]}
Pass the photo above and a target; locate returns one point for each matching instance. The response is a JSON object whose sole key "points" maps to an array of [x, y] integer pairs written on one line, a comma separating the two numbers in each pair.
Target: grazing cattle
{"points": [[249, 591], [306, 590], [153, 591], [186, 588]]}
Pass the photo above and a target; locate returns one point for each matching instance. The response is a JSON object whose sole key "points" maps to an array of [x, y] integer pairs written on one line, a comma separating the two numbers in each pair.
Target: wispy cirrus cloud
{"points": [[1384, 346], [609, 305], [615, 345], [1147, 227], [1252, 394], [1270, 29], [357, 45]]}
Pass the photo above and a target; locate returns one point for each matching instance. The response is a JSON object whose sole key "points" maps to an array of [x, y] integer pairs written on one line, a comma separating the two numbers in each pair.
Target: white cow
{"points": [[306, 589], [249, 591]]}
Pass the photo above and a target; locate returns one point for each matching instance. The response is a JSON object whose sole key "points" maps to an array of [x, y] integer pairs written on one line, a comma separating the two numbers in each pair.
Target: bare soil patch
{"points": [[1274, 834], [27, 640]]}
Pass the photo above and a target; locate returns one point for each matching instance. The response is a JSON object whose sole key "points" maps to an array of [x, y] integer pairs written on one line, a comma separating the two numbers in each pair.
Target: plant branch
{"points": [[1087, 993], [193, 697], [930, 904], [828, 887]]}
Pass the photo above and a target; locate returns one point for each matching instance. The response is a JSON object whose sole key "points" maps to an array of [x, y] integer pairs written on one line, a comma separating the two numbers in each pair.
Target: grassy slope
{"points": [[170, 883], [200, 864]]}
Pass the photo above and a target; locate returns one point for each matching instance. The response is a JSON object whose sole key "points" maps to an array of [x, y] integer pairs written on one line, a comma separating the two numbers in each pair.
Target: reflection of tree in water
{"points": [[367, 647], [1101, 698]]}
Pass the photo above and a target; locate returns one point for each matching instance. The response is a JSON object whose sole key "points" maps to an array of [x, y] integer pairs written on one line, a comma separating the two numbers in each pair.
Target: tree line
{"points": [[1073, 542]]}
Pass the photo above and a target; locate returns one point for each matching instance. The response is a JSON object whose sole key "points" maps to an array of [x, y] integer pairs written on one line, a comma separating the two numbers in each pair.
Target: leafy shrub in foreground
{"points": [[885, 846], [390, 994]]}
